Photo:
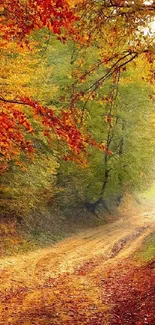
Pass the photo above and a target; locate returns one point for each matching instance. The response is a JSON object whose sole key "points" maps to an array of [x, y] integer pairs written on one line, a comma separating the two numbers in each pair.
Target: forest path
{"points": [[113, 241], [24, 278]]}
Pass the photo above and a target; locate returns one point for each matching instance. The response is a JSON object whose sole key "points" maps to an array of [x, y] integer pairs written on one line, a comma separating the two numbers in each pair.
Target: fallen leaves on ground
{"points": [[122, 293]]}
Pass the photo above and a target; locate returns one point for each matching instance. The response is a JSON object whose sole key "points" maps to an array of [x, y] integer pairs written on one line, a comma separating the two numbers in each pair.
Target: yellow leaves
{"points": [[24, 73], [69, 76], [126, 80], [80, 62], [142, 71], [74, 2], [153, 121], [88, 97], [4, 229], [17, 75], [105, 100], [100, 102]]}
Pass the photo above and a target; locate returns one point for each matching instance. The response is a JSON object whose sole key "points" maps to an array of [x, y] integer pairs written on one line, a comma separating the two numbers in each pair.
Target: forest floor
{"points": [[90, 278]]}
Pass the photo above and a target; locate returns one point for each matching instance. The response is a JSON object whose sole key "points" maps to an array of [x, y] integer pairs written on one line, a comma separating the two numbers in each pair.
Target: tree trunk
{"points": [[121, 147]]}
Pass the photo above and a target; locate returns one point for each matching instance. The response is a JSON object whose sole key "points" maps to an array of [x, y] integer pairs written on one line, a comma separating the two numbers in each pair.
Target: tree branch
{"points": [[13, 101]]}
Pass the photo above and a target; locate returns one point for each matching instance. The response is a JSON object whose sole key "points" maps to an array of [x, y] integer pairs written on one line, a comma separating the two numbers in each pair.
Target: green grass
{"points": [[147, 251]]}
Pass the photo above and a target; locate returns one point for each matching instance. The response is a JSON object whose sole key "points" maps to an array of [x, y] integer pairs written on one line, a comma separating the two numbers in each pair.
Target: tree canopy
{"points": [[72, 75]]}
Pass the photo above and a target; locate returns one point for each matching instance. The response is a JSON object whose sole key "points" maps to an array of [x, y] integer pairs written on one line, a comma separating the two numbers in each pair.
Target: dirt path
{"points": [[24, 279]]}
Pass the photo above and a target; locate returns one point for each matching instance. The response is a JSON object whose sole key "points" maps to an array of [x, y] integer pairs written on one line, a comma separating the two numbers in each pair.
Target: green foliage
{"points": [[128, 169], [29, 188], [59, 67]]}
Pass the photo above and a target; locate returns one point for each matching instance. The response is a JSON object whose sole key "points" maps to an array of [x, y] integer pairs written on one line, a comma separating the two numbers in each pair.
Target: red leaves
{"points": [[18, 19], [131, 291], [95, 293], [65, 128], [12, 139], [15, 126], [86, 267]]}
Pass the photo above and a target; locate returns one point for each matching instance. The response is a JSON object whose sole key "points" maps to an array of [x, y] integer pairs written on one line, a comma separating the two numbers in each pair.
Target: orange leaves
{"points": [[63, 126], [22, 119], [93, 294], [12, 137], [15, 127], [18, 19]]}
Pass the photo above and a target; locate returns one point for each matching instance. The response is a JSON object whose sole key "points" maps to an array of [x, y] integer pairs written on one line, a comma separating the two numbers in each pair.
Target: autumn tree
{"points": [[76, 113], [116, 29], [120, 32], [124, 122], [18, 20]]}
